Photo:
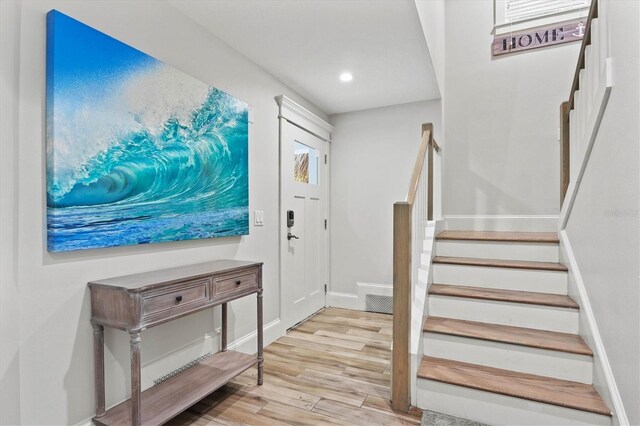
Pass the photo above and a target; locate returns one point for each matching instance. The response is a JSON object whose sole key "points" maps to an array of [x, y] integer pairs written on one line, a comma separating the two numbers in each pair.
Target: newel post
{"points": [[400, 368]]}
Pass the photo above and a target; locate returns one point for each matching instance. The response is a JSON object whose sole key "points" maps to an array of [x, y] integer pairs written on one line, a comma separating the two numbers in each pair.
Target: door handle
{"points": [[290, 236]]}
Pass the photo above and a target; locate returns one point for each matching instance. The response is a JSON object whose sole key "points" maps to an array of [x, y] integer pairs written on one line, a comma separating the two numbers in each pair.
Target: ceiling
{"points": [[307, 44]]}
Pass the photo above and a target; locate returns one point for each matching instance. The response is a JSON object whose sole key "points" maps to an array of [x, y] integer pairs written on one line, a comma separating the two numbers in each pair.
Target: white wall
{"points": [[502, 155], [372, 157], [431, 13], [9, 340], [45, 297], [604, 224]]}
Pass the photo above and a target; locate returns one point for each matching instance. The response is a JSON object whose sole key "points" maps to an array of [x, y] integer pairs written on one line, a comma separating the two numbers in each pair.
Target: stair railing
{"points": [[581, 114], [409, 222]]}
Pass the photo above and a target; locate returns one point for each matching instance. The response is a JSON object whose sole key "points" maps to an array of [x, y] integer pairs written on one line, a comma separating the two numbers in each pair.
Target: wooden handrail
{"points": [[403, 213], [427, 141], [417, 167], [566, 107]]}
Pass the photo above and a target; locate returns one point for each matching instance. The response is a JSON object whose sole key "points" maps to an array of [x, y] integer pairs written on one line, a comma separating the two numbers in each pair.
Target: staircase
{"points": [[501, 340]]}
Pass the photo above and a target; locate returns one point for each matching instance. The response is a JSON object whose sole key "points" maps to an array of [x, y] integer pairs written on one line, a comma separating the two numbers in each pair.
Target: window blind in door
{"points": [[520, 10]]}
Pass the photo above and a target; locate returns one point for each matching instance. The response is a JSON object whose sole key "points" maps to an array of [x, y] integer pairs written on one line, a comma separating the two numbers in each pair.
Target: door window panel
{"points": [[305, 163]]}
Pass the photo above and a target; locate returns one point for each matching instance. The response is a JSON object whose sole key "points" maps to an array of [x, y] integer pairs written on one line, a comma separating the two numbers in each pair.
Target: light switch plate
{"points": [[258, 218]]}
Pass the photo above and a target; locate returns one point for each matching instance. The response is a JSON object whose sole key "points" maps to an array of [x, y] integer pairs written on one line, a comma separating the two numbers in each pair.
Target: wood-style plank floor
{"points": [[331, 369]]}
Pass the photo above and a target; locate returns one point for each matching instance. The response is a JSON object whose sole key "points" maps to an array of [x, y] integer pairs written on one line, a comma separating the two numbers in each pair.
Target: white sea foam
{"points": [[156, 95], [86, 125]]}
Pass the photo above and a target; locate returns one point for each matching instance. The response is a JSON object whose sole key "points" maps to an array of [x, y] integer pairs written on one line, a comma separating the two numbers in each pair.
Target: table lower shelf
{"points": [[171, 397]]}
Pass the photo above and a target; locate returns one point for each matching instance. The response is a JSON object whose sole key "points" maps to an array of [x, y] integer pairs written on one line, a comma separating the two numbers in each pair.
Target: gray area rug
{"points": [[431, 418]]}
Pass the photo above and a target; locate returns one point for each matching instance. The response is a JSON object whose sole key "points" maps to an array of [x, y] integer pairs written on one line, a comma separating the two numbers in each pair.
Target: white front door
{"points": [[303, 209]]}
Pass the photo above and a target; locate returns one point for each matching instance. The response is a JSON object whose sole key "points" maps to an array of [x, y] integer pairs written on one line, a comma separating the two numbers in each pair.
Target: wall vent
{"points": [[181, 369], [377, 303]]}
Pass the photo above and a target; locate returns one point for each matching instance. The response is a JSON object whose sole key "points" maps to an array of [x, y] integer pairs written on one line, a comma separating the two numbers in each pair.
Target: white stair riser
{"points": [[495, 409], [537, 252], [542, 362], [506, 313], [504, 278]]}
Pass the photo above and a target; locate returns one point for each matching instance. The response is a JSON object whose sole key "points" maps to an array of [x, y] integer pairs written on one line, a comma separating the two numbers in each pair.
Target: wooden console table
{"points": [[136, 302]]}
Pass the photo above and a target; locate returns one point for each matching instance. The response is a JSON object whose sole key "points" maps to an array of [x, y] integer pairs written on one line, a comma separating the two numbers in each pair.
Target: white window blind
{"points": [[519, 10]]}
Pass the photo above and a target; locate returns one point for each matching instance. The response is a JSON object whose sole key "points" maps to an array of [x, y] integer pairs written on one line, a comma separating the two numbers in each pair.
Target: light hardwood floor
{"points": [[331, 369]]}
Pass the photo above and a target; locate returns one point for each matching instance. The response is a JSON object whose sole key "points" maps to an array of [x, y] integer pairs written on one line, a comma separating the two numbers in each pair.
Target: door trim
{"points": [[290, 112], [303, 118], [306, 130]]}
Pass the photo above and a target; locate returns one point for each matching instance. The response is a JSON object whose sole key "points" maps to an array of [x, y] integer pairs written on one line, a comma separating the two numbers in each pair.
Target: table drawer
{"points": [[175, 299], [241, 282]]}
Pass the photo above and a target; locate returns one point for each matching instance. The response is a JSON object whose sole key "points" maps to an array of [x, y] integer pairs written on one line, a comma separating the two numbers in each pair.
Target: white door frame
{"points": [[292, 113]]}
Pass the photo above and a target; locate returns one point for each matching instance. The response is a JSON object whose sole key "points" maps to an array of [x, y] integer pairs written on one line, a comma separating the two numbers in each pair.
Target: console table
{"points": [[136, 302]]}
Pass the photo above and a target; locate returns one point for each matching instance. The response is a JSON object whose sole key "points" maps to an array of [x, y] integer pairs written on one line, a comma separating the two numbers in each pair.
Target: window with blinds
{"points": [[520, 10]]}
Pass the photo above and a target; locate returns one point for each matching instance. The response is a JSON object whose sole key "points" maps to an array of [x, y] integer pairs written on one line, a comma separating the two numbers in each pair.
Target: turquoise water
{"points": [[190, 181]]}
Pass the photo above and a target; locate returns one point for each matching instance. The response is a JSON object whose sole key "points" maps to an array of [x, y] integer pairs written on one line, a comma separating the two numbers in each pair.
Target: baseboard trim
{"points": [[249, 342], [585, 307], [534, 223], [246, 344], [342, 300], [371, 288]]}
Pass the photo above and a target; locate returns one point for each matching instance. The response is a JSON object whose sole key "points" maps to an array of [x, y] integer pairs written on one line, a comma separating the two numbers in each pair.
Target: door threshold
{"points": [[306, 319]]}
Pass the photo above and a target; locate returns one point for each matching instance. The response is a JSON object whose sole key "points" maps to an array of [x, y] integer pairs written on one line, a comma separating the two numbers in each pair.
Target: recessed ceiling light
{"points": [[346, 76]]}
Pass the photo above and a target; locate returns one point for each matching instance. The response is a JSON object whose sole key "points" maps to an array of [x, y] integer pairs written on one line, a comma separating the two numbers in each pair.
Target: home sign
{"points": [[549, 35]]}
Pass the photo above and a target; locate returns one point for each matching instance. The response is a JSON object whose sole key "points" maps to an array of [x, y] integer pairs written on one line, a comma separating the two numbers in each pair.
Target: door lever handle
{"points": [[290, 236]]}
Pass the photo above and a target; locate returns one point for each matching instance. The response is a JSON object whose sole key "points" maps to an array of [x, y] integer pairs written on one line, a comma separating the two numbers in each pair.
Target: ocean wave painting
{"points": [[137, 151]]}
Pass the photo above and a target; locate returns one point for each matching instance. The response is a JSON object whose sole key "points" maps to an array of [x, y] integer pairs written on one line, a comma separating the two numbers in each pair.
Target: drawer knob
{"points": [[238, 282], [179, 299]]}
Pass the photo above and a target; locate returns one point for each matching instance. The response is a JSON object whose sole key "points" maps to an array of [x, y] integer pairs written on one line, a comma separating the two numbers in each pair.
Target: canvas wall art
{"points": [[137, 151]]}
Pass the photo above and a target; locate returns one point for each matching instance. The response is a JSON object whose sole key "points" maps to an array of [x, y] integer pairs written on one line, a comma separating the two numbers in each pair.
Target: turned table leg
{"points": [[136, 414], [224, 327], [98, 366], [260, 340]]}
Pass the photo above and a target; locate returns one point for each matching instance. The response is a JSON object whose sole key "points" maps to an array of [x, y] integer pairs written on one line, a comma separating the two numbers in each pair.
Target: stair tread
{"points": [[500, 263], [541, 339], [518, 237], [547, 390], [514, 296]]}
